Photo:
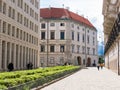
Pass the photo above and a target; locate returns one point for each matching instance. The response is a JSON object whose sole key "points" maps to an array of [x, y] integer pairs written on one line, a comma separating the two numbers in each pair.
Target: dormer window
{"points": [[62, 24], [52, 24]]}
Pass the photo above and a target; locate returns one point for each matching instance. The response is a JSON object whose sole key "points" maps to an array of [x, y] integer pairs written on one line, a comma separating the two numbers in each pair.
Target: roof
{"points": [[58, 13]]}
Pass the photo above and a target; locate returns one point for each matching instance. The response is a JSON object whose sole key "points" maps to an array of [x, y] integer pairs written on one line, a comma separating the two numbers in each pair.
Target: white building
{"points": [[19, 32], [64, 36]]}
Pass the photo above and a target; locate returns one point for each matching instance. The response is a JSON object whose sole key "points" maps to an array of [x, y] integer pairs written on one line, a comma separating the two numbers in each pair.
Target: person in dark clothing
{"points": [[29, 65], [98, 66], [10, 67]]}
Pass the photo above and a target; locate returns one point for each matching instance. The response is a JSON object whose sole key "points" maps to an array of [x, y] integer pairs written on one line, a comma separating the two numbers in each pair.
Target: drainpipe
{"points": [[47, 41]]}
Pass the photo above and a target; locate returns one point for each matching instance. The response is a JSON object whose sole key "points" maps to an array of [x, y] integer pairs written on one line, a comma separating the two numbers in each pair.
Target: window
{"points": [[78, 49], [24, 34], [32, 39], [62, 35], [93, 41], [72, 35], [21, 34], [4, 8], [52, 24], [13, 14], [43, 25], [62, 24], [42, 61], [9, 29], [52, 48], [21, 18], [72, 25], [52, 60], [83, 49], [13, 31], [83, 61], [18, 17], [83, 29], [30, 24], [83, 38], [20, 3], [88, 39], [27, 9], [4, 27], [13, 1], [78, 36], [93, 51], [52, 35], [42, 35], [42, 48], [73, 46], [30, 11], [27, 37], [88, 50], [9, 12], [61, 60], [88, 31], [17, 34], [62, 47]]}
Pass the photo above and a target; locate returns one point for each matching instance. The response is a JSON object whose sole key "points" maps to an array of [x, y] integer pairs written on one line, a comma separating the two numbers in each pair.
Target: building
{"points": [[66, 37], [19, 33], [111, 9]]}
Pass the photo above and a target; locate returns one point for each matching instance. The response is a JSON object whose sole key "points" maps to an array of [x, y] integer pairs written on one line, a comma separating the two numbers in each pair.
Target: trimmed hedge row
{"points": [[11, 79]]}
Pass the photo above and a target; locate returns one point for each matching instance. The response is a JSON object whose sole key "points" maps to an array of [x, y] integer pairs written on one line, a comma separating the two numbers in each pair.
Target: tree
{"points": [[100, 60]]}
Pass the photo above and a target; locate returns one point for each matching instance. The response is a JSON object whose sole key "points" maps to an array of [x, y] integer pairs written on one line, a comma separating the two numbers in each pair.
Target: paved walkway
{"points": [[88, 79]]}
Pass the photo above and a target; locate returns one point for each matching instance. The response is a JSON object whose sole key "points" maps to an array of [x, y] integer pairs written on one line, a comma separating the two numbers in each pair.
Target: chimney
{"points": [[68, 8], [49, 7]]}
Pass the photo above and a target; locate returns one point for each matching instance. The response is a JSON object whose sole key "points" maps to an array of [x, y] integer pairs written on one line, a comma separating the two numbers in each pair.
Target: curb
{"points": [[53, 81]]}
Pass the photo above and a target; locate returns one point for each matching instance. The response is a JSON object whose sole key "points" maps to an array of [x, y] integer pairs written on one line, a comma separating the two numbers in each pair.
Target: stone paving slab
{"points": [[88, 79]]}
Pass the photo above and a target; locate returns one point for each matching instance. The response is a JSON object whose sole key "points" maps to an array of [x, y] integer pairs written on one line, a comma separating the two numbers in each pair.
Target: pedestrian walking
{"points": [[98, 66], [101, 65]]}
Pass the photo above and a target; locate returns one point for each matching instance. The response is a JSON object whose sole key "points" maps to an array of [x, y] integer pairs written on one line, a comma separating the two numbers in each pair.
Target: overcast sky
{"points": [[91, 9]]}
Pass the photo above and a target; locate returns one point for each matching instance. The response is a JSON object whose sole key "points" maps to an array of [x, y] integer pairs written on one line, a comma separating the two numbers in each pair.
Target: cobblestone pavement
{"points": [[88, 79]]}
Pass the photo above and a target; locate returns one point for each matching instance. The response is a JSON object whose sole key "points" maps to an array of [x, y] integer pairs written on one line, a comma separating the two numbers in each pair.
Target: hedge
{"points": [[42, 75]]}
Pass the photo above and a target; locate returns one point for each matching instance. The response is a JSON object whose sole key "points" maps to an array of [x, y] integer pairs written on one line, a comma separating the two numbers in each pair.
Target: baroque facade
{"points": [[66, 37], [19, 33], [111, 9]]}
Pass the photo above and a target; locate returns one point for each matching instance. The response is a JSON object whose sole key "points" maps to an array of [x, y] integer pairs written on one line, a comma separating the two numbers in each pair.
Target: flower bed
{"points": [[33, 78]]}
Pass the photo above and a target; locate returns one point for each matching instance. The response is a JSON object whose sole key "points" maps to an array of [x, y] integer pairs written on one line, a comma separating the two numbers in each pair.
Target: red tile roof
{"points": [[61, 12]]}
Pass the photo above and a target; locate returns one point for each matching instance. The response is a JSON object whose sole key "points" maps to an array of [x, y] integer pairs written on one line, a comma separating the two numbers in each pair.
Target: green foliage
{"points": [[10, 79], [100, 60], [2, 87]]}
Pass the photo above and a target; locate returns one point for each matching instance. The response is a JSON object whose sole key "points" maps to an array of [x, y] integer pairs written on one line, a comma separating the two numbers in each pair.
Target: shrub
{"points": [[10, 79], [2, 87]]}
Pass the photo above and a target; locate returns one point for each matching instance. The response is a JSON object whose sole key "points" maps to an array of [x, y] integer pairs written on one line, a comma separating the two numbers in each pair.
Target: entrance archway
{"points": [[89, 61], [79, 60]]}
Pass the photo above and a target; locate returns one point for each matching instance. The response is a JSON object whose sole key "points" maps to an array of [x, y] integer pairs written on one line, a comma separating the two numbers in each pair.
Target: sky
{"points": [[91, 9]]}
